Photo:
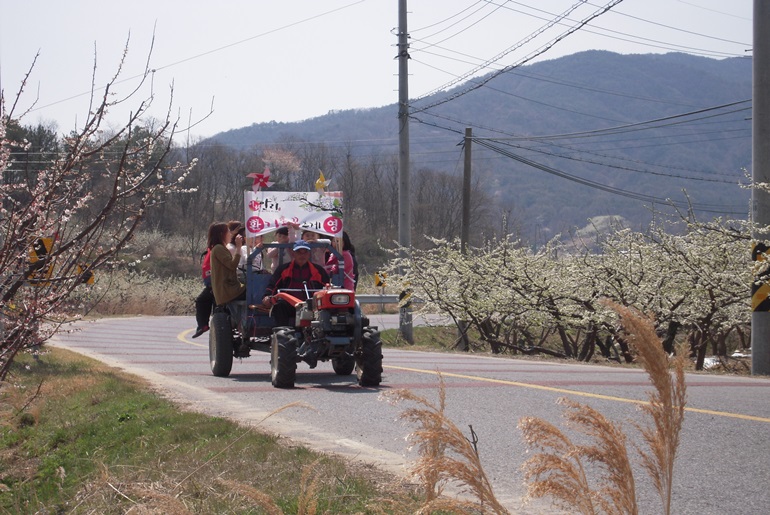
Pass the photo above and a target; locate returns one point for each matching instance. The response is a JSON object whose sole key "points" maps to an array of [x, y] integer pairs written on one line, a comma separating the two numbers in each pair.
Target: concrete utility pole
{"points": [[465, 229], [404, 194], [760, 200]]}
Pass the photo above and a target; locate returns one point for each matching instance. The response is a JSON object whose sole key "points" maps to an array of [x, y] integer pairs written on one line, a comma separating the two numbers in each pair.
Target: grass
{"points": [[137, 293], [438, 338], [79, 437]]}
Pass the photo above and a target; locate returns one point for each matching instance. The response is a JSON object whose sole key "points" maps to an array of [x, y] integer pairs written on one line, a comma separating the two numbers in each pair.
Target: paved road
{"points": [[724, 457]]}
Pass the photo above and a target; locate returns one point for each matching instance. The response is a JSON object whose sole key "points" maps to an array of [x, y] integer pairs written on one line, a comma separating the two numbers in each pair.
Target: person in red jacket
{"points": [[297, 274]]}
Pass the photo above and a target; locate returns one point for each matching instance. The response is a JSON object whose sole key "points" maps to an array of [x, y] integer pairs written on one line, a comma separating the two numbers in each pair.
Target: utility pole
{"points": [[462, 325], [404, 194], [465, 229], [760, 200]]}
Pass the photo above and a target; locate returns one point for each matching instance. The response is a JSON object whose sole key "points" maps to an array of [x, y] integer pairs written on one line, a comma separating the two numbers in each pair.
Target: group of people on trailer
{"points": [[294, 266]]}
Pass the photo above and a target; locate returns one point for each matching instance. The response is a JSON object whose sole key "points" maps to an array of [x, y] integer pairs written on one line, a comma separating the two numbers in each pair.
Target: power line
{"points": [[708, 208], [463, 19], [551, 22], [620, 13], [645, 124], [704, 207], [722, 13], [624, 168], [209, 52], [620, 129], [636, 161], [593, 89], [499, 56]]}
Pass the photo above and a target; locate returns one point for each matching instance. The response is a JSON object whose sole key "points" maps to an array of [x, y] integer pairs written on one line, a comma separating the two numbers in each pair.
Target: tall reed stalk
{"points": [[558, 470], [561, 469], [445, 456]]}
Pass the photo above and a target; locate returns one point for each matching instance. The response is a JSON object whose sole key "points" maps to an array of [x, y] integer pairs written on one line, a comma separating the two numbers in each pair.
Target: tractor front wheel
{"points": [[343, 366], [283, 354], [369, 358]]}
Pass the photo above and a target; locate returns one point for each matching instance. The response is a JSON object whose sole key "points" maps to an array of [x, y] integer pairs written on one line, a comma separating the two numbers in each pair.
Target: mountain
{"points": [[561, 141]]}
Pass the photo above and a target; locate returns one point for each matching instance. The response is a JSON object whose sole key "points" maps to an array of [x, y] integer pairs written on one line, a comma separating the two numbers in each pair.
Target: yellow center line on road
{"points": [[574, 392], [182, 337]]}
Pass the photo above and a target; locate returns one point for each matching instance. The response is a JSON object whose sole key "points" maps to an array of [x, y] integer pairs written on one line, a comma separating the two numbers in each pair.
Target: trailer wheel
{"points": [[221, 345], [369, 358], [283, 354], [344, 366]]}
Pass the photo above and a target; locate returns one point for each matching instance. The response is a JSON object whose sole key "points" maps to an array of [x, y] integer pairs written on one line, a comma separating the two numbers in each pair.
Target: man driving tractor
{"points": [[297, 275]]}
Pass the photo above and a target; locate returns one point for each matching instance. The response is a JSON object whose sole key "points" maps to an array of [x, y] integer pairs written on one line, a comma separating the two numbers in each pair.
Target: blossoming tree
{"points": [[70, 215], [693, 280]]}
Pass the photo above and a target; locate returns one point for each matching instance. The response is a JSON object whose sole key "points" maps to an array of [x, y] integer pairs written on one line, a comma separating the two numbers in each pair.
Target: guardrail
{"points": [[377, 298]]}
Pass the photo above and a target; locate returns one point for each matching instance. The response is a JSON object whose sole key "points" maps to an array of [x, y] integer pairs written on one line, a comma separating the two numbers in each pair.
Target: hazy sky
{"points": [[289, 60]]}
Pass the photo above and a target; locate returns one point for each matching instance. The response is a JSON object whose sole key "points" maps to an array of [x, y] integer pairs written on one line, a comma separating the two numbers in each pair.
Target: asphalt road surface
{"points": [[723, 464]]}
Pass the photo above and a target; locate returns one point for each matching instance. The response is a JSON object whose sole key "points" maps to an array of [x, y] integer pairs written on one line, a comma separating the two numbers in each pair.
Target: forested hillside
{"points": [[565, 140]]}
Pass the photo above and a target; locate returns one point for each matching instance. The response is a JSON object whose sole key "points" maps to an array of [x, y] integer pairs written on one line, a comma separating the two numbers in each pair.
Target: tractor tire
{"points": [[283, 354], [344, 366], [369, 359], [221, 345]]}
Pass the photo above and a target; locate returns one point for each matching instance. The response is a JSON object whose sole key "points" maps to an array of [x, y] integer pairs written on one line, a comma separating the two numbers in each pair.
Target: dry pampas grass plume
{"points": [[667, 401], [446, 456], [558, 470], [257, 497]]}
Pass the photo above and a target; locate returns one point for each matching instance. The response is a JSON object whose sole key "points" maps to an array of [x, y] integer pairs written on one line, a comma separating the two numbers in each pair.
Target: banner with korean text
{"points": [[266, 211]]}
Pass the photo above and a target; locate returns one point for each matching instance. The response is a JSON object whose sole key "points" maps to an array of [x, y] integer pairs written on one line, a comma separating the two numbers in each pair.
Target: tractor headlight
{"points": [[340, 299]]}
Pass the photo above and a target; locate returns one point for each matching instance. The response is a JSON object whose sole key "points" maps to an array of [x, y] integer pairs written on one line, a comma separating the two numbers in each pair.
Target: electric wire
{"points": [[616, 12], [705, 207], [623, 168], [647, 124], [208, 52], [487, 64], [536, 77], [637, 139], [488, 143], [621, 13], [575, 85], [722, 13], [476, 22], [637, 161], [615, 130], [507, 51], [590, 152], [426, 27]]}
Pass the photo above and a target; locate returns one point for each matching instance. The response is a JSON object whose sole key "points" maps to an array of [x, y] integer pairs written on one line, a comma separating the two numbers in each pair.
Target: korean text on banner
{"points": [[266, 211]]}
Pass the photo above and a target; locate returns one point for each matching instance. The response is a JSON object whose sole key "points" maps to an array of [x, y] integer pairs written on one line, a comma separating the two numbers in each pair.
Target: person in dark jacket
{"points": [[204, 302], [297, 274]]}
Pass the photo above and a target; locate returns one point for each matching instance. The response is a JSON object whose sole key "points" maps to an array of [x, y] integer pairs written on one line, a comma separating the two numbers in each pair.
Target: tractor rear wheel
{"points": [[369, 358], [221, 345], [283, 354]]}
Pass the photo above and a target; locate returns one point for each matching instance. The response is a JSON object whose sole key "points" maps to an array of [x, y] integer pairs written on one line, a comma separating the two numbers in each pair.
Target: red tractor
{"points": [[329, 326]]}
